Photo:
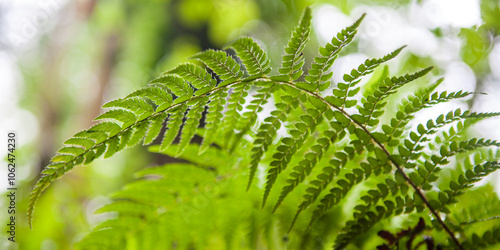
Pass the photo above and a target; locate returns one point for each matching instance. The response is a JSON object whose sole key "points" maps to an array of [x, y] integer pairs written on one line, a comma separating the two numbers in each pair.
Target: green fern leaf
{"points": [[136, 135], [465, 181], [325, 178], [249, 118], [342, 95], [318, 75], [40, 186], [109, 129], [71, 150], [159, 96], [177, 85], [192, 121], [111, 147], [214, 118], [175, 121], [335, 150], [154, 128], [127, 118], [411, 147], [289, 146], [293, 59], [267, 131], [83, 142], [251, 54], [135, 104], [222, 64], [304, 168], [232, 115], [195, 74], [413, 104], [373, 105], [426, 173], [378, 205]]}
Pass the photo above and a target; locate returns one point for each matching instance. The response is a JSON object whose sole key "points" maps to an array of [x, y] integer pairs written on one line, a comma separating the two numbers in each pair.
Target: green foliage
{"points": [[343, 156], [293, 60]]}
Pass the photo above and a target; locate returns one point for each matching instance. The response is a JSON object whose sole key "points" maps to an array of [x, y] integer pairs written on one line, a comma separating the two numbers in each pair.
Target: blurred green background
{"points": [[60, 60]]}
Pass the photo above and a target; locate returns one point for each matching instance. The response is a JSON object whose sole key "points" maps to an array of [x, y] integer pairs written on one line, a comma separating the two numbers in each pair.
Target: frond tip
{"points": [[293, 60], [335, 146]]}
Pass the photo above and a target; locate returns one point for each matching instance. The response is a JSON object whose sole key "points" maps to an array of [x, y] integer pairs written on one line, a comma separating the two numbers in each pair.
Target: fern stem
{"points": [[480, 220]]}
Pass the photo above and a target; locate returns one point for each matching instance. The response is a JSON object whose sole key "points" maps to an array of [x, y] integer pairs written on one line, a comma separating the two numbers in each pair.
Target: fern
{"points": [[329, 153], [293, 60]]}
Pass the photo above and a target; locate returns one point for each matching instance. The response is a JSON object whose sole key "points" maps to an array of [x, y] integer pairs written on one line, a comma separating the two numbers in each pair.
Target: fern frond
{"points": [[304, 167], [249, 118], [413, 104], [343, 92], [267, 130], [135, 104], [222, 64], [335, 152], [252, 55], [179, 87], [159, 96], [195, 74], [293, 59], [214, 118], [134, 136], [192, 121], [318, 76], [126, 117], [71, 150], [372, 106], [410, 149], [490, 238], [232, 115], [127, 208], [140, 120], [426, 173], [154, 128], [175, 122], [143, 204], [465, 181], [289, 145], [343, 185], [388, 199], [82, 142], [39, 187]]}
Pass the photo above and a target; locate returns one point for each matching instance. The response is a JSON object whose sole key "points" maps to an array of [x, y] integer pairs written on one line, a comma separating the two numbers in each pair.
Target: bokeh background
{"points": [[60, 60]]}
